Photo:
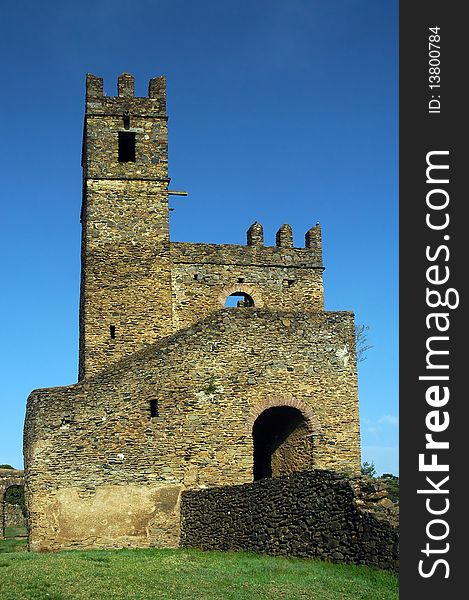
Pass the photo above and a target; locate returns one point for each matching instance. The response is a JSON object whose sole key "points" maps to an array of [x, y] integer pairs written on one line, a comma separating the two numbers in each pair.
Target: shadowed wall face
{"points": [[280, 444], [316, 514]]}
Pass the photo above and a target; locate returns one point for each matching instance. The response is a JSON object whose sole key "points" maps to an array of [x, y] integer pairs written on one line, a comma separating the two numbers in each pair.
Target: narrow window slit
{"points": [[153, 408], [112, 331]]}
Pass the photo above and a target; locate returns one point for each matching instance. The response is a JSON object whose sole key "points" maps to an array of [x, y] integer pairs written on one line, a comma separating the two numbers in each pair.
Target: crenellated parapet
{"points": [[154, 104], [284, 237], [125, 86], [94, 87]]}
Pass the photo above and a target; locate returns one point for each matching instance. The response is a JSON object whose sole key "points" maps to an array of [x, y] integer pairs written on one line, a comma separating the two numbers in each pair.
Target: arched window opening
{"points": [[239, 300], [281, 443]]}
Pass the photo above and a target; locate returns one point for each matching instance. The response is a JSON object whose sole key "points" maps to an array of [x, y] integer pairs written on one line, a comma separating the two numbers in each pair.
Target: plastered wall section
{"points": [[102, 472]]}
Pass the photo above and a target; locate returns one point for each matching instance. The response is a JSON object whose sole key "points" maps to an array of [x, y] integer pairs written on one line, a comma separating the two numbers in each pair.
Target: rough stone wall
{"points": [[92, 447], [127, 281], [204, 275], [308, 514]]}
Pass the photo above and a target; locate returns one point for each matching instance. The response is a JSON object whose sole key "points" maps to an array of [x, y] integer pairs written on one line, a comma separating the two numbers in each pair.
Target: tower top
{"points": [[125, 137], [154, 102]]}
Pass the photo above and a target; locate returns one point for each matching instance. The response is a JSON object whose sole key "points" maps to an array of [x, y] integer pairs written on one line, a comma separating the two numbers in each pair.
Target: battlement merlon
{"points": [[98, 103]]}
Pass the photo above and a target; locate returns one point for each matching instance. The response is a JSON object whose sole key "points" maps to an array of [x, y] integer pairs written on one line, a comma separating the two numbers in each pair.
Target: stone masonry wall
{"points": [[204, 275], [308, 514], [126, 274], [94, 450]]}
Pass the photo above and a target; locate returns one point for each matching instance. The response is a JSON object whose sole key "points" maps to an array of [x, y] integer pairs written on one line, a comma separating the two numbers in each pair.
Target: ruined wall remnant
{"points": [[308, 514]]}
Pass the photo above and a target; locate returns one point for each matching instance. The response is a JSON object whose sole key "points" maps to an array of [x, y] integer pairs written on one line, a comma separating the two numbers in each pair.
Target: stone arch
{"points": [[242, 288], [8, 478], [282, 432], [311, 419], [242, 299]]}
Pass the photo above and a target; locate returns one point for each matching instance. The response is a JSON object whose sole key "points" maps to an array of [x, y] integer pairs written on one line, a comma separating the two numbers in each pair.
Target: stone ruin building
{"points": [[176, 391]]}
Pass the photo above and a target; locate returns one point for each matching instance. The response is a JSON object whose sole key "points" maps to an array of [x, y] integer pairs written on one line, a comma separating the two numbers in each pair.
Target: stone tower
{"points": [[126, 276]]}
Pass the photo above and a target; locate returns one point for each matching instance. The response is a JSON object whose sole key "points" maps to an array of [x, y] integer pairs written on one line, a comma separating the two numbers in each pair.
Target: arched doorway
{"points": [[281, 442], [239, 300], [11, 491], [14, 512]]}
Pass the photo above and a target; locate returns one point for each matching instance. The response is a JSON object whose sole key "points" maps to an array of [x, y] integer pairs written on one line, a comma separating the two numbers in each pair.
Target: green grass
{"points": [[185, 575], [10, 544], [15, 532]]}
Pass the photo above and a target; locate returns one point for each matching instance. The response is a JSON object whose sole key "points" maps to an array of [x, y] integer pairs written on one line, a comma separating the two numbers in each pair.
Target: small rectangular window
{"points": [[126, 146], [153, 408], [112, 331]]}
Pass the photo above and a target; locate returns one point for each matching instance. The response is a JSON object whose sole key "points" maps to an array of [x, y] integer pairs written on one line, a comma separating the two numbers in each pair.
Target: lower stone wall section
{"points": [[307, 514]]}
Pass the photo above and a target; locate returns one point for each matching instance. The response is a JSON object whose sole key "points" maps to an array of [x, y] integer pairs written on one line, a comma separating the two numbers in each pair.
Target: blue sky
{"points": [[280, 111]]}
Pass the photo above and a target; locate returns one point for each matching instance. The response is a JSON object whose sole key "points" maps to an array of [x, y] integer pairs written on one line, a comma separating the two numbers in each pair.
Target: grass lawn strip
{"points": [[181, 574]]}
